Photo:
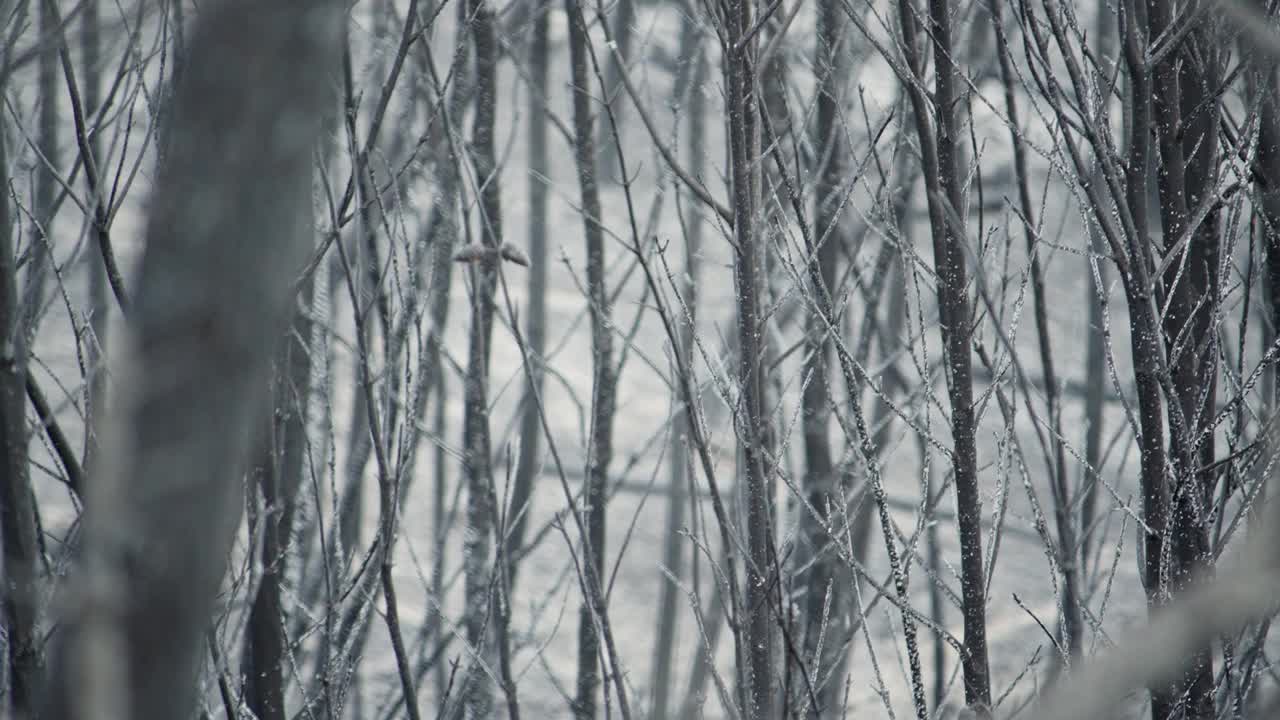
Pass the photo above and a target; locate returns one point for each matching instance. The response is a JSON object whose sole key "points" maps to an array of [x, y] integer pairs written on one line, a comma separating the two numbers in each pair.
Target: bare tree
{"points": [[481, 502], [539, 170], [604, 380], [799, 370], [739, 67], [939, 139]]}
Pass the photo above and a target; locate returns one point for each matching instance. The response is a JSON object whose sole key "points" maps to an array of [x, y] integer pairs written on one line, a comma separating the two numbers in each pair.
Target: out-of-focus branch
{"points": [[1155, 653]]}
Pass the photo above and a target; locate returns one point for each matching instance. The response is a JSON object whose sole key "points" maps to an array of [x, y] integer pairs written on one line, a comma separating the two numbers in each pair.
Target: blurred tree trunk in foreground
{"points": [[226, 238]]}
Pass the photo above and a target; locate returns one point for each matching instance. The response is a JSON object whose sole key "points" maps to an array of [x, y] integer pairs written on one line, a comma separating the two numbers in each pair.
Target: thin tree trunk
{"points": [[827, 590], [46, 186], [942, 182], [19, 316], [1201, 75], [280, 474], [1094, 404], [99, 300], [1095, 349], [477, 696], [739, 56], [536, 332], [604, 380], [1200, 111], [446, 227], [17, 511], [1144, 327], [440, 237], [672, 553], [19, 313], [439, 524]]}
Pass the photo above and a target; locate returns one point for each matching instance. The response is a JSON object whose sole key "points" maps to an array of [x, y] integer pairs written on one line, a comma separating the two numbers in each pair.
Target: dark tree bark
{"points": [[1127, 235], [739, 67], [19, 314], [17, 508], [604, 379], [279, 474], [227, 230], [1181, 183], [477, 695], [942, 182]]}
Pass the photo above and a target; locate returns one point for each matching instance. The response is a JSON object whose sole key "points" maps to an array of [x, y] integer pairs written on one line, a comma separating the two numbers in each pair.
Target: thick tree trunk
{"points": [[223, 238], [1185, 327]]}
